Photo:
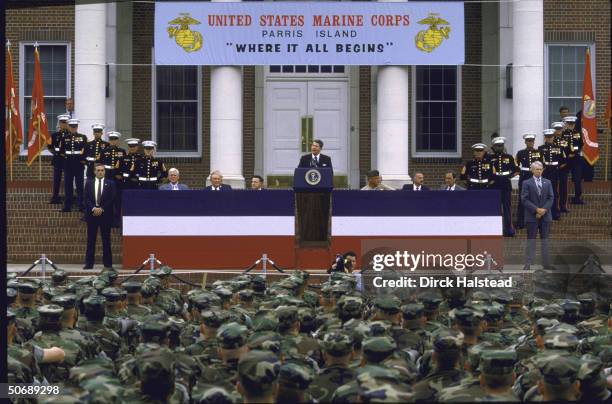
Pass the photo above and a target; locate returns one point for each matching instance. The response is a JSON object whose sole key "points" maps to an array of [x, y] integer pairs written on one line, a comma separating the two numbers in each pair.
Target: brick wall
{"points": [[471, 131], [570, 21]]}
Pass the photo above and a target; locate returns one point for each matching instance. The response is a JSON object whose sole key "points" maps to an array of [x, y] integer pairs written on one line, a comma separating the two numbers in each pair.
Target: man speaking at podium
{"points": [[315, 159]]}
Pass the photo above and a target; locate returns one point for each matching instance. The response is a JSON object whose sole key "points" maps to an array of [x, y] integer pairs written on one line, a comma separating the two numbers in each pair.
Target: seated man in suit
{"points": [[216, 181], [315, 158], [450, 183], [257, 183], [417, 183], [100, 194], [173, 184], [537, 198]]}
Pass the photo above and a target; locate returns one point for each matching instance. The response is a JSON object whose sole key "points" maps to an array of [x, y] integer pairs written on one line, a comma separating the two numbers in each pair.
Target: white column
{"points": [[226, 123], [527, 71], [90, 69], [392, 123]]}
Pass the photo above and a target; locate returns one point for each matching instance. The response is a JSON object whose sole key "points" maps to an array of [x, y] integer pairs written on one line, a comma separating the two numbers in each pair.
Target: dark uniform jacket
{"points": [[54, 148], [505, 168], [524, 158], [110, 158], [554, 158], [478, 174]]}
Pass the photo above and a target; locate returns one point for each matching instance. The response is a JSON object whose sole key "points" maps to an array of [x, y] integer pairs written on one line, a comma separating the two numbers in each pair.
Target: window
{"points": [[177, 110], [339, 69], [55, 72], [565, 73], [436, 115]]}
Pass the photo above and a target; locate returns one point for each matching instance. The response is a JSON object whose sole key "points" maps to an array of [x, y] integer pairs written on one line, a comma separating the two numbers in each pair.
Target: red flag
{"points": [[588, 117], [38, 133], [12, 128]]}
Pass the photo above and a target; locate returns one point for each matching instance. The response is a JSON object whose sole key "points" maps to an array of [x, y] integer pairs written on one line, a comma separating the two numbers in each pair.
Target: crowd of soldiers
{"points": [[560, 154], [246, 339], [74, 157]]}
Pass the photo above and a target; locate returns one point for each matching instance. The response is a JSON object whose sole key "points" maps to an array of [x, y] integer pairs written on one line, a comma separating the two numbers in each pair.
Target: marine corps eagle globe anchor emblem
{"points": [[429, 39], [184, 37]]}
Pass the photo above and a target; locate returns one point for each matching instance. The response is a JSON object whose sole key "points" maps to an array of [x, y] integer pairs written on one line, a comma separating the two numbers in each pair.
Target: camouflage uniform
{"points": [[336, 344], [258, 371]]}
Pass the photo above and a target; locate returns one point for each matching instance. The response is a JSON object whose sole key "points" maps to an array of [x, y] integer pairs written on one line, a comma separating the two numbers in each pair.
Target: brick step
{"points": [[37, 238], [23, 258]]}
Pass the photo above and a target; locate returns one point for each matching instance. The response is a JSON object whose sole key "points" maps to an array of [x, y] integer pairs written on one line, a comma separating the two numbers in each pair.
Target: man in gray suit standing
{"points": [[537, 198], [173, 184]]}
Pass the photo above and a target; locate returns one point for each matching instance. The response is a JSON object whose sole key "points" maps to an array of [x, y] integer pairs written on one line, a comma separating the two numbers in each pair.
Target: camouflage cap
{"points": [[553, 311], [480, 296], [412, 311], [112, 294], [474, 353], [11, 275], [265, 322], [99, 284], [155, 328], [11, 295], [286, 315], [205, 300], [65, 301], [10, 315], [162, 271], [109, 276], [149, 289], [258, 283], [326, 291], [388, 304], [258, 371], [86, 280], [447, 339], [378, 346], [232, 335], [156, 364], [501, 296], [311, 298], [350, 306], [493, 312], [13, 284], [212, 395], [466, 316], [560, 370], [246, 295], [49, 292], [59, 275], [295, 376], [560, 340], [132, 286], [94, 304], [337, 343], [27, 288], [431, 300], [214, 318], [223, 293], [497, 362], [542, 324], [348, 393], [50, 312]]}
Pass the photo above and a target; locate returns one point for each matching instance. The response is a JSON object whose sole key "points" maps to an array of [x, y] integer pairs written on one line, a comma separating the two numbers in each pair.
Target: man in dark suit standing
{"points": [[216, 182], [315, 158], [417, 183], [100, 194], [537, 197]]}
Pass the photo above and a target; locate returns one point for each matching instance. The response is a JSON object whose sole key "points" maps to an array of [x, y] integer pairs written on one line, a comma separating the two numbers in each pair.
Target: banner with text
{"points": [[309, 33]]}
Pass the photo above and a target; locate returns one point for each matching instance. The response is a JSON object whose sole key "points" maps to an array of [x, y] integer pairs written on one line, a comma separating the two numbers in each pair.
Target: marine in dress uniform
{"points": [[73, 147], [574, 157], [478, 173], [111, 157], [58, 160], [128, 178], [505, 168], [149, 170], [524, 158], [94, 149], [562, 141], [554, 159]]}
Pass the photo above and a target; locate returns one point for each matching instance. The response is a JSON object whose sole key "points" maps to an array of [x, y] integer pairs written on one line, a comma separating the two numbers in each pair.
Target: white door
{"points": [[287, 102]]}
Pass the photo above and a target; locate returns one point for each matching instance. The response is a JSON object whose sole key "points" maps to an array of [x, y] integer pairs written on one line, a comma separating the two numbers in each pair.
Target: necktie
{"points": [[99, 193], [418, 188], [174, 187], [539, 184], [317, 161], [449, 189]]}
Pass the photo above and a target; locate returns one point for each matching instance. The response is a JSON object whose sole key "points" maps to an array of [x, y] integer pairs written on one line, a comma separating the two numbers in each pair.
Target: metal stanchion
{"points": [[43, 260], [265, 260]]}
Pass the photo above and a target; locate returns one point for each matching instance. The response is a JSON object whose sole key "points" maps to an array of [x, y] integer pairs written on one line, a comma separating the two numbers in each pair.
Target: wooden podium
{"points": [[313, 186]]}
